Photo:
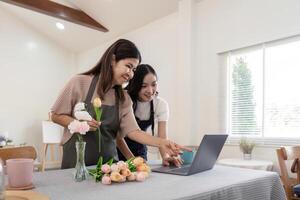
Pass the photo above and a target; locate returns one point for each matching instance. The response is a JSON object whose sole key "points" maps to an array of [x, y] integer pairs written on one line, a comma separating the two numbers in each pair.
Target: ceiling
{"points": [[119, 16]]}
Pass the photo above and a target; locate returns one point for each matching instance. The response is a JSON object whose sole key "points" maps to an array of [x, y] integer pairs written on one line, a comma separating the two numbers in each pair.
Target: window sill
{"points": [[265, 142]]}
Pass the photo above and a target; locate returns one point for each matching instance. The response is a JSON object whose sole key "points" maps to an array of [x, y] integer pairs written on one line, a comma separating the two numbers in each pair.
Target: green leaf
{"points": [[99, 164], [100, 113], [110, 162]]}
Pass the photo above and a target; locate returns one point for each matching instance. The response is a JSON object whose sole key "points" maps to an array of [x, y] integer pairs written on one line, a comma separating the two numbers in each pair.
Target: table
{"points": [[250, 164], [220, 183]]}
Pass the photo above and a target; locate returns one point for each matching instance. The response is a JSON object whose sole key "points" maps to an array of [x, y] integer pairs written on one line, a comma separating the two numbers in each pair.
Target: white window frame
{"points": [[260, 140]]}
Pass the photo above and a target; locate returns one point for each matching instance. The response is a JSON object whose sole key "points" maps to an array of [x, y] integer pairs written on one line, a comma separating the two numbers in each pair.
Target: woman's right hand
{"points": [[94, 125], [173, 149]]}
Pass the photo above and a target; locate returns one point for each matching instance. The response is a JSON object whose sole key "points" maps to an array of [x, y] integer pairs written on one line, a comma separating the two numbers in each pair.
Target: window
{"points": [[264, 100]]}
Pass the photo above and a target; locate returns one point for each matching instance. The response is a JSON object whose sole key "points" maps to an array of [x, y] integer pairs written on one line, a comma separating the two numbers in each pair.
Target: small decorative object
{"points": [[134, 169], [80, 128], [4, 141], [246, 147], [98, 111]]}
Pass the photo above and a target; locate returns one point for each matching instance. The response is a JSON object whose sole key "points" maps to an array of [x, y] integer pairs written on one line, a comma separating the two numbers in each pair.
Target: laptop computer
{"points": [[205, 158]]}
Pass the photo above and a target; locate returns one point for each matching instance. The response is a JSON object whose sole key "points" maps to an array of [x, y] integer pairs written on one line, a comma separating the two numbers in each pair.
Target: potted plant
{"points": [[246, 147]]}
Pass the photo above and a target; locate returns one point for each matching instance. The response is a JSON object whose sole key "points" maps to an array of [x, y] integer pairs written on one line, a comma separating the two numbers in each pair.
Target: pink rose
{"points": [[140, 176], [106, 180], [105, 168], [78, 127]]}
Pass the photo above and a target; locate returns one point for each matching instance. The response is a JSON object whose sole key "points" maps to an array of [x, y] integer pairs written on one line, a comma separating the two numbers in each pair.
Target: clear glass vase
{"points": [[81, 172]]}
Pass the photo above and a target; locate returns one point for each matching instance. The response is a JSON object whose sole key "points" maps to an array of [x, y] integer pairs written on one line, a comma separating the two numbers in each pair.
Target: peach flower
{"points": [[143, 168], [125, 172], [116, 177], [115, 168], [138, 161], [132, 177], [122, 165]]}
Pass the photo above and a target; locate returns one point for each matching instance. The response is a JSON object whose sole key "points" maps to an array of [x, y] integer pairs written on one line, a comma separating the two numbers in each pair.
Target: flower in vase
{"points": [[79, 107], [79, 127], [97, 102], [80, 112], [98, 111]]}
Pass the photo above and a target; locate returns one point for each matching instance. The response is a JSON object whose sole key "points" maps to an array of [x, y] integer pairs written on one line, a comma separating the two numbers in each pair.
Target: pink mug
{"points": [[19, 172]]}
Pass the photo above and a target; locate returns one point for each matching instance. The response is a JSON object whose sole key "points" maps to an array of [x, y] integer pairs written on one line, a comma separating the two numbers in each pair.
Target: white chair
{"points": [[52, 134]]}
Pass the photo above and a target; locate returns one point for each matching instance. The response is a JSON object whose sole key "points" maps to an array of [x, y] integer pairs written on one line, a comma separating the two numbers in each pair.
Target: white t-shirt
{"points": [[161, 113]]}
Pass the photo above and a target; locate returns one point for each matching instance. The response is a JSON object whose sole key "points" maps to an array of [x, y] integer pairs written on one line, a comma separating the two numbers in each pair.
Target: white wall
{"points": [[33, 70], [225, 25]]}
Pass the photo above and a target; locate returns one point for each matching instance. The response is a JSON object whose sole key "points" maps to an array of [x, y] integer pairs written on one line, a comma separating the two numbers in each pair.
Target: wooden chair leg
{"points": [[44, 155], [60, 152], [52, 152]]}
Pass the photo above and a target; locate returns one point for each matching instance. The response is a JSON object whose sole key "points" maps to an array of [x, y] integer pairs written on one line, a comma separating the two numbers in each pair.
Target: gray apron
{"points": [[110, 125]]}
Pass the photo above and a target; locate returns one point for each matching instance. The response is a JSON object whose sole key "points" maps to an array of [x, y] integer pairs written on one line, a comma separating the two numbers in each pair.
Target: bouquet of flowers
{"points": [[82, 114], [134, 169], [79, 127]]}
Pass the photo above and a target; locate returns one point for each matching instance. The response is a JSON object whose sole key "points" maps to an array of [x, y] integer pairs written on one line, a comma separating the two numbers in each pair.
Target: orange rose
{"points": [[143, 168], [138, 161]]}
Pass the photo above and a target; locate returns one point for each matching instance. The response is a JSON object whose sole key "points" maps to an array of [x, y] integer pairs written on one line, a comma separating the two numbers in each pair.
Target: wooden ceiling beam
{"points": [[59, 11]]}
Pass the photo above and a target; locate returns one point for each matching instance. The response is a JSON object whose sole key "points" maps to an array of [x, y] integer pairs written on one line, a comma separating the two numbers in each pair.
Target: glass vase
{"points": [[81, 172]]}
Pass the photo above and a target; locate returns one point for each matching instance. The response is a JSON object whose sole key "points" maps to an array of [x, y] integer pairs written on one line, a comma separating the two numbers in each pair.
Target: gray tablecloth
{"points": [[220, 183]]}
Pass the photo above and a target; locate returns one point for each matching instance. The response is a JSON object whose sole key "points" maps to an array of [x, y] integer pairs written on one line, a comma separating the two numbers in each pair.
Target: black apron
{"points": [[136, 148], [109, 128]]}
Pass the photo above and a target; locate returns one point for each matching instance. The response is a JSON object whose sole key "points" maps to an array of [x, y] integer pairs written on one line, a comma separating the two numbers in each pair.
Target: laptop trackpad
{"points": [[169, 168]]}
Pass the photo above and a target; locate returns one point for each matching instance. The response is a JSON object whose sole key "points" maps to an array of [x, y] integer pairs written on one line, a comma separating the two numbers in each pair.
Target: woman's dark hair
{"points": [[136, 83], [119, 50]]}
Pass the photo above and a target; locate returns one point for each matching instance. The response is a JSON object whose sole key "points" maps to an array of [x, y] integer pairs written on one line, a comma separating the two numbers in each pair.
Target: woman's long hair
{"points": [[121, 49], [135, 84]]}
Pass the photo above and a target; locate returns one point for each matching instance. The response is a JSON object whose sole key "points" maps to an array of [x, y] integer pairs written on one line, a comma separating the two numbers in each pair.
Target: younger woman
{"points": [[151, 113]]}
